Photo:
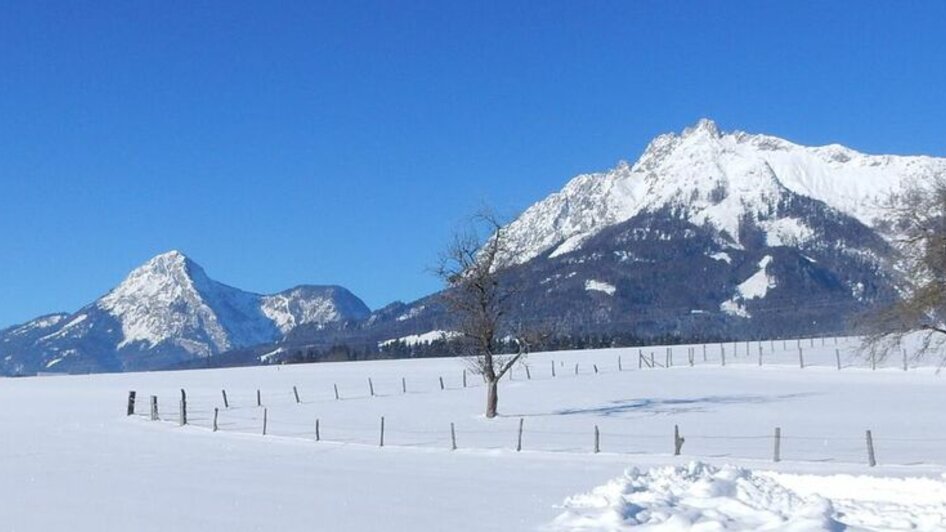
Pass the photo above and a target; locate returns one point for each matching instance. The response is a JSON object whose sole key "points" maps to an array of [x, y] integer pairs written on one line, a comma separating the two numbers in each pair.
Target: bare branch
{"points": [[918, 219], [480, 294]]}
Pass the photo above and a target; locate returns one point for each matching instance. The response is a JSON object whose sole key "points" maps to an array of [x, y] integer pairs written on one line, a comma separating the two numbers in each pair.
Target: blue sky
{"points": [[281, 143]]}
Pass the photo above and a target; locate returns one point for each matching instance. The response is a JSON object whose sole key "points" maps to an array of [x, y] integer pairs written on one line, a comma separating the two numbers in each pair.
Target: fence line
{"points": [[598, 438], [237, 416], [398, 387]]}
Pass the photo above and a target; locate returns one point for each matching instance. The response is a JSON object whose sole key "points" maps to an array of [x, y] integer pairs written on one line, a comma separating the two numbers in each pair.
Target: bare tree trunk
{"points": [[492, 398]]}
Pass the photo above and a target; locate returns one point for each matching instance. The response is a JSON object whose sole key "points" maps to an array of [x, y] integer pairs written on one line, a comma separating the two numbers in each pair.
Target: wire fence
{"points": [[288, 414], [506, 435]]}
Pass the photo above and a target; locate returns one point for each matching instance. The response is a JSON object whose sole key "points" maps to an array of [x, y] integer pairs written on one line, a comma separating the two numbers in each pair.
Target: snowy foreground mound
{"points": [[703, 497]]}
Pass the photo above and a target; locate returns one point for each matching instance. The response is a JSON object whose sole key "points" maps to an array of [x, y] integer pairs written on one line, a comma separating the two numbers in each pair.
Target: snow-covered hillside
{"points": [[167, 310], [106, 471], [717, 179]]}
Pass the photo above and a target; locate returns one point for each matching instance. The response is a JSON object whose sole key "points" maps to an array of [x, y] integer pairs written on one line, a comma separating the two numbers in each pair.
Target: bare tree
{"points": [[480, 299], [917, 217]]}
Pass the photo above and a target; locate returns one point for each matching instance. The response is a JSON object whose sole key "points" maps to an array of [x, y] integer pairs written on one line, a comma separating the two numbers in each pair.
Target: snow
{"points": [[600, 286], [868, 502], [734, 308], [76, 462], [43, 322], [759, 284], [786, 232], [65, 329], [718, 179], [721, 256], [427, 337], [170, 299], [412, 313], [701, 496], [267, 356], [694, 497], [755, 287], [293, 309], [319, 305], [166, 299]]}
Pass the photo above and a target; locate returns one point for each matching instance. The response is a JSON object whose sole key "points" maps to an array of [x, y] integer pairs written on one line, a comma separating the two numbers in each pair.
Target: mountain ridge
{"points": [[707, 234], [165, 311], [847, 180]]}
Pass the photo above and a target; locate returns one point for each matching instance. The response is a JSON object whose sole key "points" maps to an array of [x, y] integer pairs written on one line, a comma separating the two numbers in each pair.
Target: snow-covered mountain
{"points": [[717, 179], [707, 234], [165, 311]]}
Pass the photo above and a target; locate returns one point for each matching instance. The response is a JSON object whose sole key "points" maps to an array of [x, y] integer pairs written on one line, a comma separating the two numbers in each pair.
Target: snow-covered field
{"points": [[73, 460]]}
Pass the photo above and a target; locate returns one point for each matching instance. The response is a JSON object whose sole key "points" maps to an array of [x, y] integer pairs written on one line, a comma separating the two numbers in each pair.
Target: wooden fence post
{"points": [[226, 403], [837, 357], [553, 369], [620, 365], [519, 443], [722, 354], [464, 374], [336, 392], [370, 387], [652, 363], [801, 359], [595, 366], [677, 441], [453, 437], [669, 361], [381, 441], [640, 359], [576, 368], [265, 419], [871, 459], [691, 354], [597, 440], [318, 436], [295, 392], [259, 398], [183, 413], [403, 385], [131, 403], [441, 383], [216, 412], [777, 457], [154, 408], [760, 354]]}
